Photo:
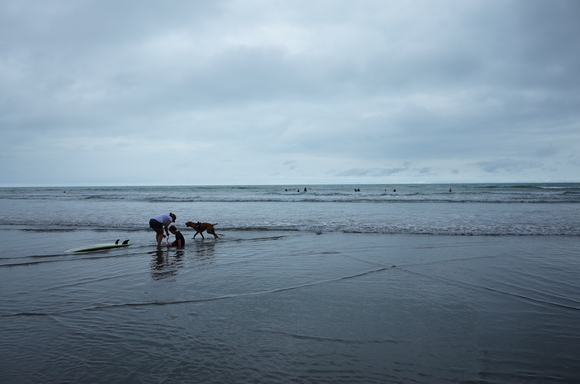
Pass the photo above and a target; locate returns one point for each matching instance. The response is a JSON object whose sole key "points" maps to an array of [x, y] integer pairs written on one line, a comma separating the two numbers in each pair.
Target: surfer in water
{"points": [[159, 223], [179, 239]]}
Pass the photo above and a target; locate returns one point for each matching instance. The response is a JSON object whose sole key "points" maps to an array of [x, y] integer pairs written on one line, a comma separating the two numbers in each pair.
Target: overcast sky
{"points": [[288, 92]]}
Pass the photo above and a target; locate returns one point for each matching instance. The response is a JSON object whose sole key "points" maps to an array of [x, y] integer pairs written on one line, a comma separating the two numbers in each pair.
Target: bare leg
{"points": [[159, 236]]}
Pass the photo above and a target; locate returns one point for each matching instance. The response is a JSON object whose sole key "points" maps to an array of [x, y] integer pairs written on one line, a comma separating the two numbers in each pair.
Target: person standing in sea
{"points": [[160, 222]]}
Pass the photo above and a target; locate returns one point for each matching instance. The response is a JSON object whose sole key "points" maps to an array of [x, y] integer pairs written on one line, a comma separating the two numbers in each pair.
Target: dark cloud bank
{"points": [[103, 92]]}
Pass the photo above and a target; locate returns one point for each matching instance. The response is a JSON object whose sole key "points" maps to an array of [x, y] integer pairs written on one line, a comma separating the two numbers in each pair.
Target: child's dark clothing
{"points": [[178, 236]]}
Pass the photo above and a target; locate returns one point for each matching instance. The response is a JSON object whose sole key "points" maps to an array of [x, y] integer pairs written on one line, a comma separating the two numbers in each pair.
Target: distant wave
{"points": [[564, 197], [428, 193], [385, 229], [554, 198]]}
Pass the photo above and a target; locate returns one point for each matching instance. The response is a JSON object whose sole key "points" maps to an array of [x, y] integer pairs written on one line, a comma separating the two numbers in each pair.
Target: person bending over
{"points": [[159, 223]]}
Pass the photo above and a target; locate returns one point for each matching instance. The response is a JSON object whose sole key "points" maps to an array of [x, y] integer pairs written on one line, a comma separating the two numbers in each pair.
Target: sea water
{"points": [[395, 283]]}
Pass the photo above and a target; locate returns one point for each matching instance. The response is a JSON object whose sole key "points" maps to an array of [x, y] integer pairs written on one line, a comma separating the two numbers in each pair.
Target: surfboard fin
{"points": [[126, 241], [117, 242]]}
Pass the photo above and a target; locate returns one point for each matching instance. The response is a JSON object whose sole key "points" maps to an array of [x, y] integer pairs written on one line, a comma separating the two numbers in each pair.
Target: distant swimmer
{"points": [[450, 190], [394, 190], [305, 190], [159, 223]]}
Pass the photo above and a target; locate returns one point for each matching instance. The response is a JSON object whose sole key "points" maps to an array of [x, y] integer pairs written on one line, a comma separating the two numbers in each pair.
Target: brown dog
{"points": [[200, 227]]}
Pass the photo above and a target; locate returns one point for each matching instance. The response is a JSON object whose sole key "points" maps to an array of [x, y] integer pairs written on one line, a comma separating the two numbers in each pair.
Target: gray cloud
{"points": [[375, 172], [452, 87], [508, 165]]}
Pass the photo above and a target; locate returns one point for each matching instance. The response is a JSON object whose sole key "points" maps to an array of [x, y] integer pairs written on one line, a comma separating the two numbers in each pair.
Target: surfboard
{"points": [[97, 247]]}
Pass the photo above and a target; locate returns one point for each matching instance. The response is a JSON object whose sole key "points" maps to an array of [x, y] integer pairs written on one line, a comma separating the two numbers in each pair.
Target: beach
{"points": [[296, 291]]}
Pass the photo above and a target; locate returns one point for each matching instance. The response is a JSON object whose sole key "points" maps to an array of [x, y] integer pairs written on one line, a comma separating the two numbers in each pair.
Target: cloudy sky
{"points": [[99, 92]]}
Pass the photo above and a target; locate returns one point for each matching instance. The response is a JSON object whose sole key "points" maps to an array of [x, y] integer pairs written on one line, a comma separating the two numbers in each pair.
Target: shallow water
{"points": [[326, 302]]}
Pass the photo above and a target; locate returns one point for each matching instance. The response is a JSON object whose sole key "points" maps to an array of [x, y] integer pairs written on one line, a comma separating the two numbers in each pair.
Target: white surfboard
{"points": [[97, 247]]}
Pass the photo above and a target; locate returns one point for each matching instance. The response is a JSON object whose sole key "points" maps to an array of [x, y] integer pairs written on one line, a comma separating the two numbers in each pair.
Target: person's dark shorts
{"points": [[155, 224]]}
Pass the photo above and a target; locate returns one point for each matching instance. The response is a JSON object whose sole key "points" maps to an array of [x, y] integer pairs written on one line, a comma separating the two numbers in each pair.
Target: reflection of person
{"points": [[160, 222], [179, 239]]}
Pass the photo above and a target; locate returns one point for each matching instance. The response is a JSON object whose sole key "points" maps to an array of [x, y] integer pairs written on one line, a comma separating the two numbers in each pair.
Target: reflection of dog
{"points": [[200, 227]]}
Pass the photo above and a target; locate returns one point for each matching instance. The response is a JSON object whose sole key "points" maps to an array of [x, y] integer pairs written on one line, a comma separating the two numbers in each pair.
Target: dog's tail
{"points": [[215, 224]]}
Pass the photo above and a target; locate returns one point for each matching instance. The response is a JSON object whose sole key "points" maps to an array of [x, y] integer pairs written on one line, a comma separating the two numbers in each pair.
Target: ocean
{"points": [[429, 283]]}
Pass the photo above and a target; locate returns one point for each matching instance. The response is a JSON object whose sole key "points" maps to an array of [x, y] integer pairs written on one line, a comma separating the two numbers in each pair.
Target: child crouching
{"points": [[179, 239]]}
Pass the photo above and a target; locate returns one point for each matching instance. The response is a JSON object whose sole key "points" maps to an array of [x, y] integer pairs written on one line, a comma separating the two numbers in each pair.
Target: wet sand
{"points": [[276, 306]]}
